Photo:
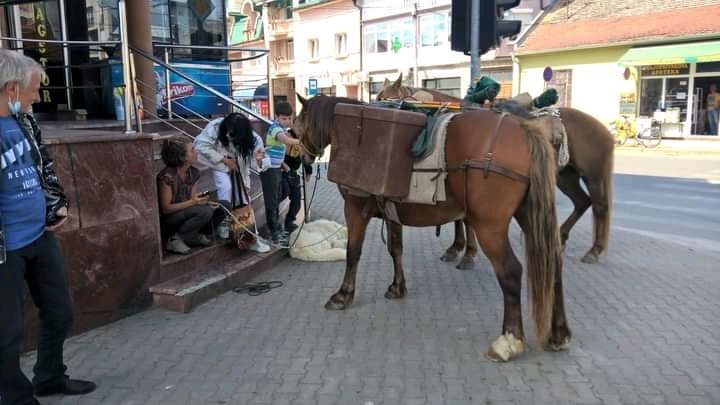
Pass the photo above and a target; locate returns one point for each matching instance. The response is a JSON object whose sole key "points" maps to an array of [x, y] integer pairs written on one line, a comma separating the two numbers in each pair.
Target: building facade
{"points": [[327, 48], [413, 38], [642, 59]]}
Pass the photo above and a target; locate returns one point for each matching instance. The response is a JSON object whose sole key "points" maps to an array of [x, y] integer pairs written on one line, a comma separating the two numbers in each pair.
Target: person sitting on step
{"points": [[185, 214]]}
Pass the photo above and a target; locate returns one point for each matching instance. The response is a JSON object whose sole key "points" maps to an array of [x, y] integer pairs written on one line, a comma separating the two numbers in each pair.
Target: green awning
{"points": [[708, 51]]}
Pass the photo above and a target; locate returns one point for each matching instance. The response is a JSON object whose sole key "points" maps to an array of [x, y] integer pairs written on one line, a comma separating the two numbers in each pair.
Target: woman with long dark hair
{"points": [[229, 145]]}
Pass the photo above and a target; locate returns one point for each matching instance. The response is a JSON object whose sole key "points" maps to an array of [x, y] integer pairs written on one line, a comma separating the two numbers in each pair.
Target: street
{"points": [[645, 319]]}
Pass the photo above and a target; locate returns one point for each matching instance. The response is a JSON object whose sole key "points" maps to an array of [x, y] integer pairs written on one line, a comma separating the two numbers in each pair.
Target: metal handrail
{"points": [[61, 42], [201, 85], [187, 121], [261, 51]]}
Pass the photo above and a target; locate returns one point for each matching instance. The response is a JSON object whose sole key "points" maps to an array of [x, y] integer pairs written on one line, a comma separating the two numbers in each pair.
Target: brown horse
{"points": [[515, 185], [590, 145]]}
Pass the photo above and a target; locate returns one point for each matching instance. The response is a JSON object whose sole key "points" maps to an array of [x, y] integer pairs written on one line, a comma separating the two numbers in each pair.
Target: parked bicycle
{"points": [[624, 129]]}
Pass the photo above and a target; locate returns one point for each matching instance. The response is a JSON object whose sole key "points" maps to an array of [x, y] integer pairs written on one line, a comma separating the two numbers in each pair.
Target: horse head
{"points": [[300, 130], [395, 90]]}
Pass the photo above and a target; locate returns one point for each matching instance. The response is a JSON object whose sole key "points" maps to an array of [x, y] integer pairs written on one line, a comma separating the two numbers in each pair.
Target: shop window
{"points": [[434, 29], [196, 24], [389, 36], [650, 96], [448, 85], [708, 67], [562, 82]]}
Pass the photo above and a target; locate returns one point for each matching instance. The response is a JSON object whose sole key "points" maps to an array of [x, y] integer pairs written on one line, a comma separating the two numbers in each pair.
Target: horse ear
{"points": [[302, 99], [398, 82], [387, 82]]}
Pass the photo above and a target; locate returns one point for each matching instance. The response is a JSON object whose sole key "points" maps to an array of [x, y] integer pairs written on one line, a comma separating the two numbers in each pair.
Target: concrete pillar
{"points": [[140, 36]]}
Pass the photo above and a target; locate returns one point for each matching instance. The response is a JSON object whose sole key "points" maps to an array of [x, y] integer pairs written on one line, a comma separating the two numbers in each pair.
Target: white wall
{"points": [[322, 23]]}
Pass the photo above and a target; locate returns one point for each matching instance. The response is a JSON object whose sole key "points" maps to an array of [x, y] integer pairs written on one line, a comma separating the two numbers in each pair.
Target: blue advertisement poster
{"points": [[186, 96]]}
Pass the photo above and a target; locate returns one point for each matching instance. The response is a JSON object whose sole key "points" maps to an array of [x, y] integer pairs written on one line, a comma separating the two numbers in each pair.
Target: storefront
{"points": [[674, 81], [83, 77]]}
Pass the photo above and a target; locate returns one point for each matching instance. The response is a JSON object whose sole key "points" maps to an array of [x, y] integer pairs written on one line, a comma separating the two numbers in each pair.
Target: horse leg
{"points": [[508, 270], [569, 183], [560, 334], [458, 245], [601, 220], [468, 260], [357, 221], [395, 248]]}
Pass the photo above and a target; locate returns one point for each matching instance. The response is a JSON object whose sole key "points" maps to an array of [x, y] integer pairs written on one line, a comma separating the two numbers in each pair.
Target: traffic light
{"points": [[506, 28], [492, 26]]}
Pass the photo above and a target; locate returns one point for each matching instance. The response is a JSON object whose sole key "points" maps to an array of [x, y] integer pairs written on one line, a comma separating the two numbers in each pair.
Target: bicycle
{"points": [[648, 137]]}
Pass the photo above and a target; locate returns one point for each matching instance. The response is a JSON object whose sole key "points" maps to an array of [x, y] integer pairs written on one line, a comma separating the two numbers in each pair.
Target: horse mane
{"points": [[320, 120]]}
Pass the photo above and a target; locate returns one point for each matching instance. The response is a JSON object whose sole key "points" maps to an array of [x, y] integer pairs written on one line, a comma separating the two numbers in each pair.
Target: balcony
{"points": [[282, 67], [280, 29]]}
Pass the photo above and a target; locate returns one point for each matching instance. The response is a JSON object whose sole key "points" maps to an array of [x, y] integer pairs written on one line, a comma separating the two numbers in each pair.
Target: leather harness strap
{"points": [[487, 164]]}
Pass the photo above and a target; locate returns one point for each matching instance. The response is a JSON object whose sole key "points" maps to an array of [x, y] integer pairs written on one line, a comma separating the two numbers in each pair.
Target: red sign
{"points": [[179, 90]]}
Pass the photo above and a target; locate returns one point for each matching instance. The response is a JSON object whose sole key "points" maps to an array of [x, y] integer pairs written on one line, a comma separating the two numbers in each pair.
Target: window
{"points": [[341, 44], [198, 25], [90, 17], [562, 82], [290, 49], [314, 49], [435, 29], [448, 85], [389, 36]]}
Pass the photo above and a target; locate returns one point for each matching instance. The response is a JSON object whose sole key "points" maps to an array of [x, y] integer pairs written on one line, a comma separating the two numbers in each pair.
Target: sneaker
{"points": [[201, 240], [260, 247], [279, 238], [290, 228], [176, 245], [223, 231]]}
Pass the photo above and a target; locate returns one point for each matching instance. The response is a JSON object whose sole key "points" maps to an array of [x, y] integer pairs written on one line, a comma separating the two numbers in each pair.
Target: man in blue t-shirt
{"points": [[29, 251]]}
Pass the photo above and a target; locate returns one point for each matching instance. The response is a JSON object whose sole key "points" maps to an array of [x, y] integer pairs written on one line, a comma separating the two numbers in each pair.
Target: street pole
{"points": [[474, 41]]}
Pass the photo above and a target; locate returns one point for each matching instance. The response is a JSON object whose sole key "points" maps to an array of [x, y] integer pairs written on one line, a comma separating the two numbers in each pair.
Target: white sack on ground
{"points": [[319, 241]]}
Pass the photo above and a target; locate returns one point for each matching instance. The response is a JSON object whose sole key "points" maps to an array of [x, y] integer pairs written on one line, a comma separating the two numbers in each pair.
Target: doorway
{"points": [[700, 107]]}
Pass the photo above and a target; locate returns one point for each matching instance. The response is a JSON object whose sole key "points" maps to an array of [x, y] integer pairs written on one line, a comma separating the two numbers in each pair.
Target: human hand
{"points": [[61, 213], [213, 204], [260, 154], [244, 212], [231, 164], [197, 199]]}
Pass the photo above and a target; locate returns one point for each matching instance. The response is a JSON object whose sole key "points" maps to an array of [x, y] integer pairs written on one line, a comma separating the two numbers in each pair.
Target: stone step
{"points": [[185, 292]]}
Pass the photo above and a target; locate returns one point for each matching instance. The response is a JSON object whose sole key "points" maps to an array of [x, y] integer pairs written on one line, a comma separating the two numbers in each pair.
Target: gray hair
{"points": [[17, 67]]}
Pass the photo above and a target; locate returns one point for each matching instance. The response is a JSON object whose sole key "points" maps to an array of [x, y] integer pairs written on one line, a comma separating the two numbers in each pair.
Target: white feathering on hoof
{"points": [[505, 347]]}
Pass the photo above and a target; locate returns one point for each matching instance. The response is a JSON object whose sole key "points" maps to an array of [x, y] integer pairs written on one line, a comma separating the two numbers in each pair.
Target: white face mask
{"points": [[15, 107]]}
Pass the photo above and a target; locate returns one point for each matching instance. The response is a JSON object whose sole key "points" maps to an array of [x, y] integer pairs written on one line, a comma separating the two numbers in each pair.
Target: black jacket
{"points": [[54, 193]]}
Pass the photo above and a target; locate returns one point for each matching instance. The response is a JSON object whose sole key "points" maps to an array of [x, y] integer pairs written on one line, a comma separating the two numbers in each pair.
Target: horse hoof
{"points": [[394, 292], [467, 263], [590, 258], [505, 348], [337, 302], [449, 257], [560, 344]]}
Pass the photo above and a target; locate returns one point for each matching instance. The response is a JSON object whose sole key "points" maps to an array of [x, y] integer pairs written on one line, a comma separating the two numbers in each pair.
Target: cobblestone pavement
{"points": [[645, 322]]}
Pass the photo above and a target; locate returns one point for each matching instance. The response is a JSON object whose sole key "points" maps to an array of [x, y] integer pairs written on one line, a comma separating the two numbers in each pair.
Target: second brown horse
{"points": [[590, 147]]}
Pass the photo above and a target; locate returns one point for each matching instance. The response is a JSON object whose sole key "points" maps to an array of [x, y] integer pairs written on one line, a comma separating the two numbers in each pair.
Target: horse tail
{"points": [[601, 226], [542, 236]]}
